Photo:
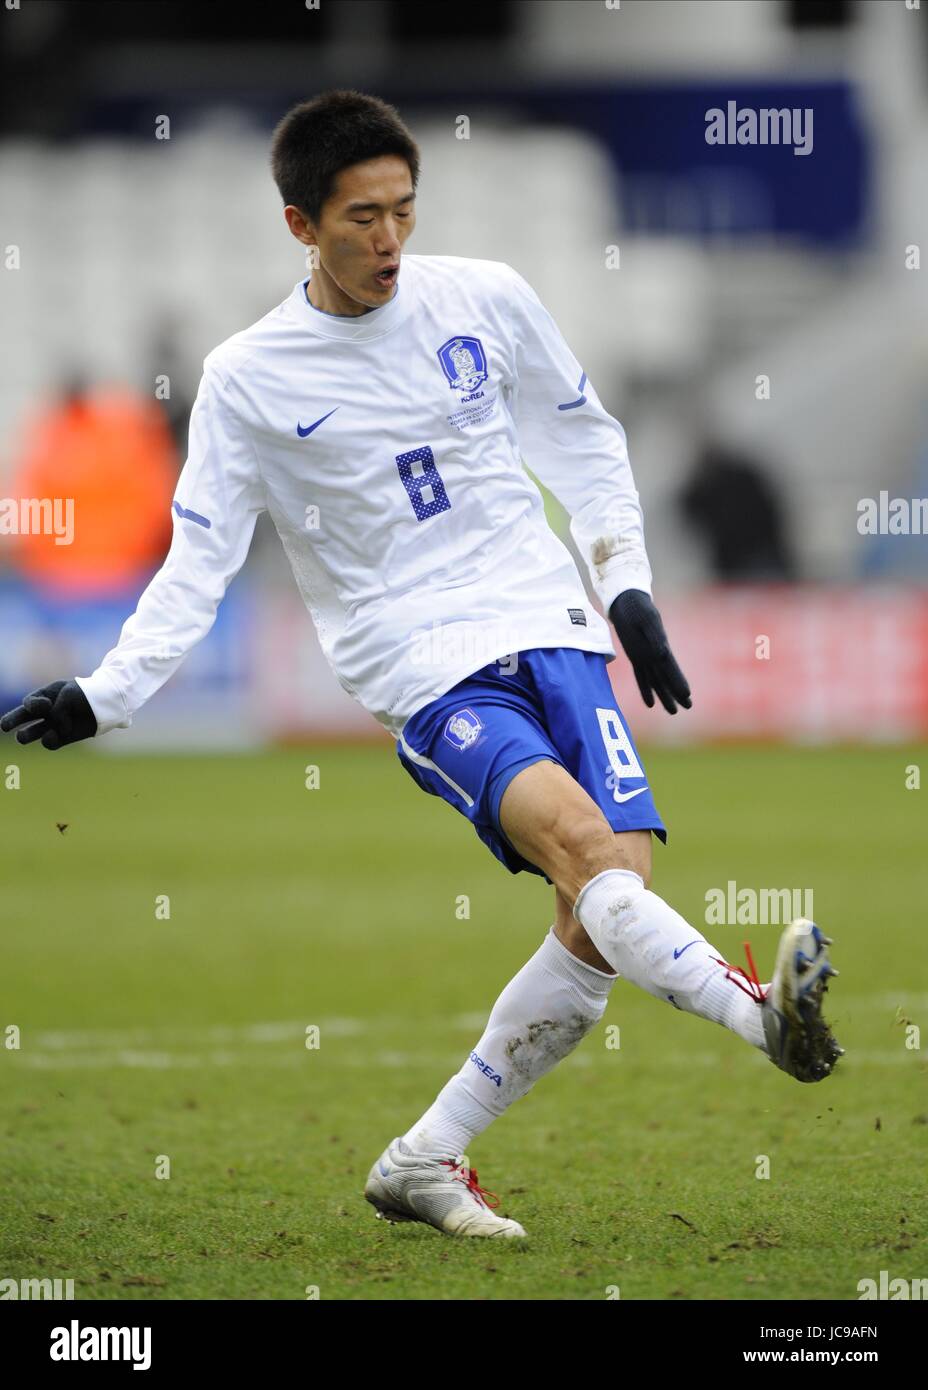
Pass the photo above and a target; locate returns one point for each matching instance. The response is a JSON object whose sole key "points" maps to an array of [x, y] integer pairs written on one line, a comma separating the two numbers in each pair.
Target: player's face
{"points": [[363, 227]]}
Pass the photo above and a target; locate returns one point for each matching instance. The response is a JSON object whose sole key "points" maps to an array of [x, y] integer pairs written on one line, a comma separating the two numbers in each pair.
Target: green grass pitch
{"points": [[632, 1169]]}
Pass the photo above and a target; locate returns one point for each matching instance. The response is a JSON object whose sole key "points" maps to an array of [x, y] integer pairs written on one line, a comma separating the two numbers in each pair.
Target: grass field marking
{"points": [[154, 1060], [343, 1026], [887, 1002], [166, 1061], [270, 1032]]}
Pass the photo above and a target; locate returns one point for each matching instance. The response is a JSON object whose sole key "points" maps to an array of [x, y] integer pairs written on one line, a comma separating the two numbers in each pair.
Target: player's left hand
{"points": [[644, 641]]}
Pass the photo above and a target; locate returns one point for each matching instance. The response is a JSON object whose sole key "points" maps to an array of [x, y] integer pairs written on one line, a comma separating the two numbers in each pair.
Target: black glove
{"points": [[59, 713], [644, 640]]}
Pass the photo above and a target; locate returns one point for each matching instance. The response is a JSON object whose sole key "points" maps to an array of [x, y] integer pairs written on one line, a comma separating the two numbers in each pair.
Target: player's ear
{"points": [[300, 226]]}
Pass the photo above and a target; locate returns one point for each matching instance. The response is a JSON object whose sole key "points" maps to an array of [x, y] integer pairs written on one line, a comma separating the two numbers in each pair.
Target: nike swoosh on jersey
{"points": [[187, 515], [572, 405], [627, 796], [309, 428]]}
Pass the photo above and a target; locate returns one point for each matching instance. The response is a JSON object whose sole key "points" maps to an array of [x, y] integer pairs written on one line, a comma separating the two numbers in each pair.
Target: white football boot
{"points": [[443, 1192], [798, 1039]]}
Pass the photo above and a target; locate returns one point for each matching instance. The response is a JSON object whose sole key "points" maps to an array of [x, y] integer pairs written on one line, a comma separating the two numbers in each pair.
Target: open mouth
{"points": [[388, 275]]}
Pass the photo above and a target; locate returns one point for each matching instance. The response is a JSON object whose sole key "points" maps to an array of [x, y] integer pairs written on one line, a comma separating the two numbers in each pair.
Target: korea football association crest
{"points": [[463, 729], [464, 363]]}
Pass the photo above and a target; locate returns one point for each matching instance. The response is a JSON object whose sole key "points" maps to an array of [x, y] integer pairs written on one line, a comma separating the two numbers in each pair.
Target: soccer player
{"points": [[380, 414]]}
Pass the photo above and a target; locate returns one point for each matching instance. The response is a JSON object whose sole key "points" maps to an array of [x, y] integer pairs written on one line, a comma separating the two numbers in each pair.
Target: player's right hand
{"points": [[58, 714]]}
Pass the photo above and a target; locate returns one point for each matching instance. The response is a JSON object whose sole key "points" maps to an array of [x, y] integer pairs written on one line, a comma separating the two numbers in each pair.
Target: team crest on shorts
{"points": [[463, 729], [464, 363]]}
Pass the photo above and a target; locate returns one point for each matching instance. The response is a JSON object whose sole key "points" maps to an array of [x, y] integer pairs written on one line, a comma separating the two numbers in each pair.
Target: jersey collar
{"points": [[374, 324]]}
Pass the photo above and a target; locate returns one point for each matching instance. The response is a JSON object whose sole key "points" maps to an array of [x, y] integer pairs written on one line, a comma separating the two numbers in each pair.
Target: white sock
{"points": [[647, 942], [540, 1017]]}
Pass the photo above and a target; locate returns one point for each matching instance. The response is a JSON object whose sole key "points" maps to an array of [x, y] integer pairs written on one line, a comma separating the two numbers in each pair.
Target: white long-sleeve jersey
{"points": [[388, 451]]}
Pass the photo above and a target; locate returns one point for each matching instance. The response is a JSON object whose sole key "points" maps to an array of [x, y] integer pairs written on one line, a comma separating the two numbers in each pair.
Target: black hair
{"points": [[316, 139]]}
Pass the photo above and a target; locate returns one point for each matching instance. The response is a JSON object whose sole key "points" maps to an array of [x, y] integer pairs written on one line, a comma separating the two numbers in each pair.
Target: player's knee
{"points": [[584, 839], [590, 844]]}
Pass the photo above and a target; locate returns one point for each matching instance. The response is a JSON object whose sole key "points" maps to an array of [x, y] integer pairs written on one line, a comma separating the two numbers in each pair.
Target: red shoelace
{"points": [[753, 987], [470, 1181]]}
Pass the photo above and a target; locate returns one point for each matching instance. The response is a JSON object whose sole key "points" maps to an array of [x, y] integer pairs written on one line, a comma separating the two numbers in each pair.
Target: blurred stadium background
{"points": [[680, 272]]}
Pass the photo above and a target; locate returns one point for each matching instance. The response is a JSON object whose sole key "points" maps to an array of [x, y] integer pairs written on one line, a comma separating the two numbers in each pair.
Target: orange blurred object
{"points": [[111, 451]]}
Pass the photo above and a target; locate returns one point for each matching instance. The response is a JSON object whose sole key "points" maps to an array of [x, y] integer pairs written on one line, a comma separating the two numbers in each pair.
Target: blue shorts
{"points": [[557, 704]]}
